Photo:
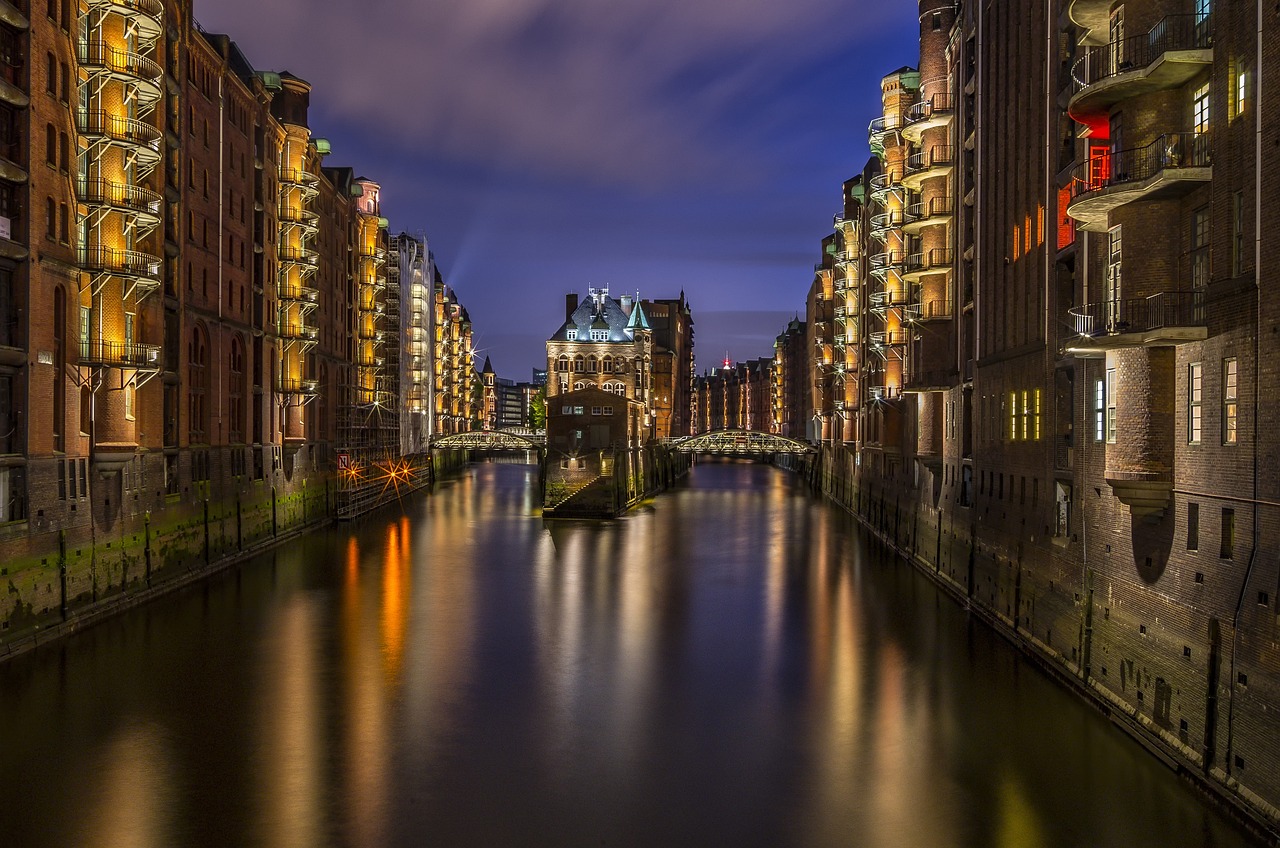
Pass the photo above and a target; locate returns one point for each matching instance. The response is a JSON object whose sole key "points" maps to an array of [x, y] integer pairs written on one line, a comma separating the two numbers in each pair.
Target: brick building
{"points": [[673, 365], [191, 306], [1063, 377]]}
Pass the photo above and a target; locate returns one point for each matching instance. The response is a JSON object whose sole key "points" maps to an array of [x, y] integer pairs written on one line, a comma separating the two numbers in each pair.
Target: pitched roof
{"points": [[598, 312]]}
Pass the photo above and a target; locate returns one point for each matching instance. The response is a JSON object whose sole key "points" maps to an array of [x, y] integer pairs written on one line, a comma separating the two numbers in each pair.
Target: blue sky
{"points": [[544, 146]]}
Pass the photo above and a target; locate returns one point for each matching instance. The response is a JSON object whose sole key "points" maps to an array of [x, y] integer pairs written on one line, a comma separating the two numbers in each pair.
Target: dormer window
{"points": [[599, 335], [571, 335]]}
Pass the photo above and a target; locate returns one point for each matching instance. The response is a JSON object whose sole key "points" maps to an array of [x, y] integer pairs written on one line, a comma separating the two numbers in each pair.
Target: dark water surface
{"points": [[732, 666]]}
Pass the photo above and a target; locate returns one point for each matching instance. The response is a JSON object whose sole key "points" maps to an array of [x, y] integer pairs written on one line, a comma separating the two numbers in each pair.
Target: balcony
{"points": [[120, 263], [301, 179], [112, 354], [930, 310], [883, 264], [882, 185], [1163, 318], [294, 386], [297, 332], [122, 197], [147, 15], [883, 222], [934, 380], [886, 339], [935, 211], [138, 136], [298, 216], [886, 299], [369, 333], [1174, 51], [297, 255], [847, 226], [300, 294], [879, 131], [144, 73], [937, 161], [933, 261], [1171, 166], [926, 115]]}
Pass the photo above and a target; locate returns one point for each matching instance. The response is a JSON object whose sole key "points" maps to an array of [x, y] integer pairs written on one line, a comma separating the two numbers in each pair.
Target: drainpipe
{"points": [[221, 224]]}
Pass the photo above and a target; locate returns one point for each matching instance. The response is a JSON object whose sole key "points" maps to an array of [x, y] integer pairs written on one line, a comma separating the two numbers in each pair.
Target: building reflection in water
{"points": [[135, 797]]}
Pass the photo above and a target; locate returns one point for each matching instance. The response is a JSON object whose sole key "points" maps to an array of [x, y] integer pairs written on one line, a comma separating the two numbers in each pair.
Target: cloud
{"points": [[622, 93]]}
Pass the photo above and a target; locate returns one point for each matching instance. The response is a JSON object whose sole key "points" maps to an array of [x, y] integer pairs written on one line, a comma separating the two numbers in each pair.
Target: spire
{"points": [[638, 320], [488, 366]]}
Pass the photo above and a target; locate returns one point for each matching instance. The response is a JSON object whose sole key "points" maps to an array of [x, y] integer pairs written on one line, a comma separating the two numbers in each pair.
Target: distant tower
{"points": [[490, 379]]}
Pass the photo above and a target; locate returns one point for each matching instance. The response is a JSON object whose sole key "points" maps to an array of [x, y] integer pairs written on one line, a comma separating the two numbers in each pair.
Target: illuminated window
{"points": [[1111, 406], [1195, 396], [1230, 400], [1240, 93], [1200, 110], [1013, 416], [599, 335], [571, 335], [1035, 418], [1026, 415]]}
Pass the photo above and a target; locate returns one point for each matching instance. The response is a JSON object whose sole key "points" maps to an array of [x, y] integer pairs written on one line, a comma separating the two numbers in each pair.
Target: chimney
{"points": [[570, 305], [625, 303]]}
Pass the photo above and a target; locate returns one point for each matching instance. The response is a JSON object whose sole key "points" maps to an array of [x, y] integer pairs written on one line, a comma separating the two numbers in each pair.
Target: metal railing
{"points": [[1159, 311], [938, 257], [298, 176], [933, 208], [882, 262], [102, 55], [122, 195], [1174, 32], [302, 294], [1169, 151], [938, 154], [296, 331], [929, 310], [150, 8], [114, 261], [294, 386], [304, 255], [119, 354], [938, 104], [97, 122]]}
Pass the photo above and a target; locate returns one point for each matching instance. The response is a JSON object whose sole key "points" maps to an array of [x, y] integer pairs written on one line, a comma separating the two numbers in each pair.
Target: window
{"points": [[1193, 526], [566, 410], [1195, 397], [599, 335], [50, 218], [1230, 400], [51, 75], [1200, 247], [1013, 416], [1228, 543], [1111, 406], [571, 335], [1237, 233], [608, 410], [595, 410], [1200, 110], [51, 146], [1240, 93]]}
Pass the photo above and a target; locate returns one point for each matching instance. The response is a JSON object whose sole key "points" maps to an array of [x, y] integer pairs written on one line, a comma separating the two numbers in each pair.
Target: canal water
{"points": [[732, 665]]}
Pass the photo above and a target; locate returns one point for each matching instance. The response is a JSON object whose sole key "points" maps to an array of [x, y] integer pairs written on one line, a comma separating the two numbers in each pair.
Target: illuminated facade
{"points": [[185, 299], [673, 365], [604, 343]]}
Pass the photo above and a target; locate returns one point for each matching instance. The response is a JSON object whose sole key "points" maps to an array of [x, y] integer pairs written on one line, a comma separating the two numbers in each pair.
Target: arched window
{"points": [[198, 386], [235, 391], [591, 364], [577, 363], [606, 365], [562, 364], [51, 145], [579, 386]]}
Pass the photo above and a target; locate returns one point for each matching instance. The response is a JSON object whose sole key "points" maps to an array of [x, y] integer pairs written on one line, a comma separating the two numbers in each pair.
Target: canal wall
{"points": [[122, 541], [605, 484], [1161, 665]]}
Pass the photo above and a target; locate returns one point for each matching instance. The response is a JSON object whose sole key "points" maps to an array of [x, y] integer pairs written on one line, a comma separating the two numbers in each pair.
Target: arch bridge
{"points": [[740, 443], [495, 440]]}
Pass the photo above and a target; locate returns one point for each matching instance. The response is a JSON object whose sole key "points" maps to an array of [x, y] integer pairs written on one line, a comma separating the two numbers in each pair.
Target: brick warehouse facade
{"points": [[1067, 376], [182, 289]]}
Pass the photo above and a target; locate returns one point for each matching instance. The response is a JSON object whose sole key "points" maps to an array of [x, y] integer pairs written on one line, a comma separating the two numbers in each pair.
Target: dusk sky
{"points": [[544, 146]]}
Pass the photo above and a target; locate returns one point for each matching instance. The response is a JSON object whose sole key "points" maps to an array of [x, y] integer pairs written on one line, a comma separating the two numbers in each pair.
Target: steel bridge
{"points": [[495, 440], [740, 443]]}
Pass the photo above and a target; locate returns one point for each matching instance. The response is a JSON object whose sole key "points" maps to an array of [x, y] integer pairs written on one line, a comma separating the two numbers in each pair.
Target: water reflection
{"points": [[732, 665]]}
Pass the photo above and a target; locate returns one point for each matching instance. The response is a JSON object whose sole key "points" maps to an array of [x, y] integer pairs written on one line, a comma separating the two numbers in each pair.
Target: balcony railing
{"points": [[883, 262], [120, 196], [304, 255], [882, 222], [99, 54], [126, 263], [937, 207], [296, 331], [1160, 311], [937, 105], [1175, 32], [931, 310], [882, 184], [938, 154], [120, 354], [1169, 151], [300, 294], [298, 177], [882, 127], [102, 124], [935, 259], [295, 386]]}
